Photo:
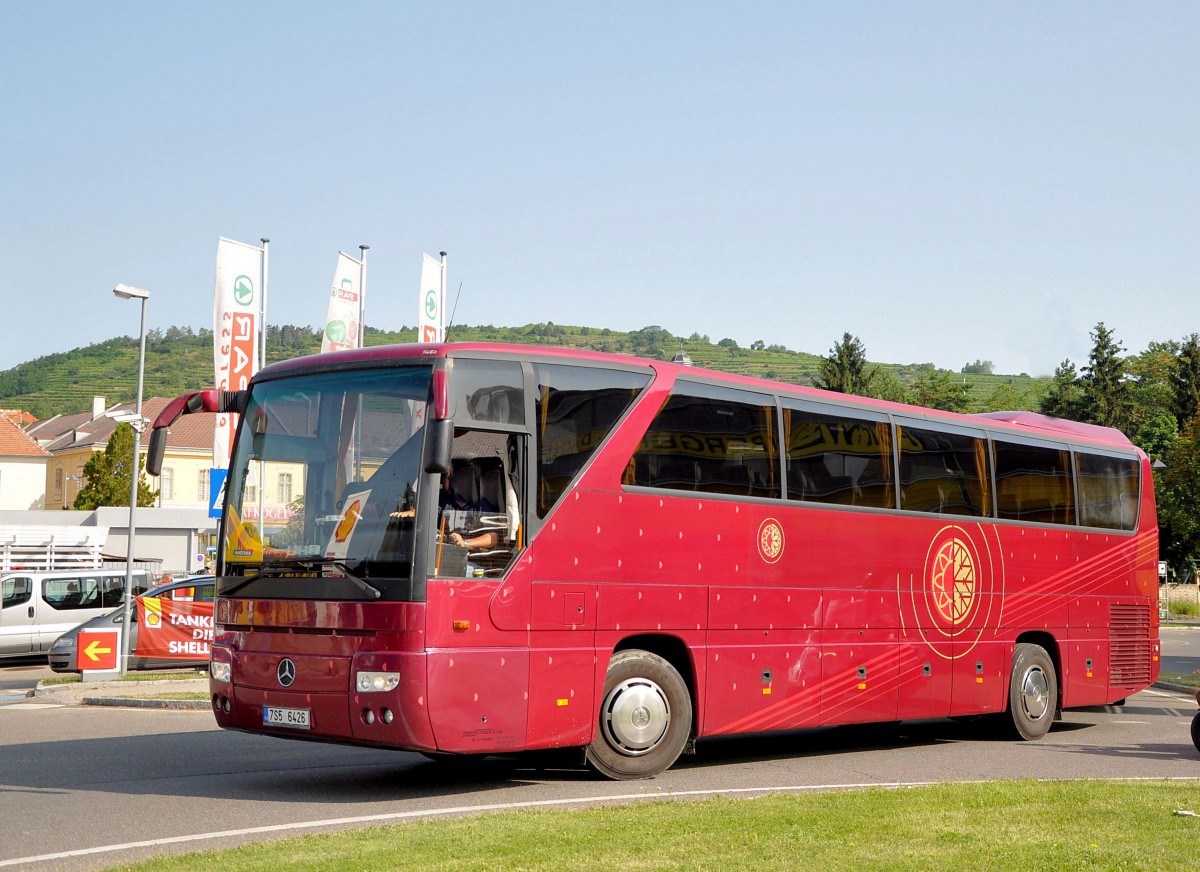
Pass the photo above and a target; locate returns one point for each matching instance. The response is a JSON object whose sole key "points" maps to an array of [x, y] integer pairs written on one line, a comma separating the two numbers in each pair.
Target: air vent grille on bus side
{"points": [[1130, 623]]}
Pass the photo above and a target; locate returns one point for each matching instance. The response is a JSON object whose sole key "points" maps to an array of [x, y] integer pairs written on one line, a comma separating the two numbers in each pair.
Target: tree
{"points": [[1157, 436], [979, 367], [938, 389], [1150, 383], [1107, 396], [1185, 381], [846, 370], [106, 474], [1005, 398], [886, 385], [652, 341], [1177, 490], [1064, 398], [292, 535]]}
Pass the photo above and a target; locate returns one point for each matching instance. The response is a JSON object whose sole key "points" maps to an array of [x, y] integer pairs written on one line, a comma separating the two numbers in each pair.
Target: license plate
{"points": [[297, 719]]}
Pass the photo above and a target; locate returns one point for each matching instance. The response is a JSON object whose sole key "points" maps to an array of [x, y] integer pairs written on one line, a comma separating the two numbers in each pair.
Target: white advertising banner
{"points": [[431, 323], [235, 330], [344, 314]]}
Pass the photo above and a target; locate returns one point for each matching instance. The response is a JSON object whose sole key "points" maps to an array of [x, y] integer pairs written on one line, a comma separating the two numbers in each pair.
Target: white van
{"points": [[39, 607]]}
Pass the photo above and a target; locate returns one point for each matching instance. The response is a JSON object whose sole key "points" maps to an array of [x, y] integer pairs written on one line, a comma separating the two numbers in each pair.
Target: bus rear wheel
{"points": [[1032, 692], [645, 717]]}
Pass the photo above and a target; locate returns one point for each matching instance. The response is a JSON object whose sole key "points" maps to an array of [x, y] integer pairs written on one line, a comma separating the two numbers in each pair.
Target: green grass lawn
{"points": [[75, 677], [1023, 825], [1186, 679]]}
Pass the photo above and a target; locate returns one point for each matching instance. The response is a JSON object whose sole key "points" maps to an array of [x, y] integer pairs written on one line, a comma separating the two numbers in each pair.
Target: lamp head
{"points": [[129, 292]]}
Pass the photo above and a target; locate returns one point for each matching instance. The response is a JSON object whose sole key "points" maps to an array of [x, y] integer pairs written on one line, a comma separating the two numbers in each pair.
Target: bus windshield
{"points": [[341, 452]]}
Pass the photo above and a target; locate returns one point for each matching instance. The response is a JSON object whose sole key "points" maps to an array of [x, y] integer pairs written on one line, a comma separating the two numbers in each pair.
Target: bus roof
{"points": [[1022, 423]]}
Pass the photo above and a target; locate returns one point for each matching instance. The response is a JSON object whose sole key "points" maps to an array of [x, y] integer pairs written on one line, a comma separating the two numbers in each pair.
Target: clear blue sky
{"points": [[947, 181]]}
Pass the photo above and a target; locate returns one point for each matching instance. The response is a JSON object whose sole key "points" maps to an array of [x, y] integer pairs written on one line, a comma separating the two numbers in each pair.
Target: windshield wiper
{"points": [[281, 568]]}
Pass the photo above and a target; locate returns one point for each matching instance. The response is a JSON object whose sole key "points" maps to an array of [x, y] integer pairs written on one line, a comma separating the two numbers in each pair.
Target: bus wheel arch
{"points": [[1033, 700], [645, 716]]}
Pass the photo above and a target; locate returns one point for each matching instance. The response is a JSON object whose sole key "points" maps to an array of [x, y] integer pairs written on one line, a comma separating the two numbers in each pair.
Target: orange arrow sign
{"points": [[96, 649], [93, 651]]}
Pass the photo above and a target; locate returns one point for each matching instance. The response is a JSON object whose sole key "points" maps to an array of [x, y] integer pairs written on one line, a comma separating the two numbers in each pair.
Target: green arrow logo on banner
{"points": [[243, 290]]}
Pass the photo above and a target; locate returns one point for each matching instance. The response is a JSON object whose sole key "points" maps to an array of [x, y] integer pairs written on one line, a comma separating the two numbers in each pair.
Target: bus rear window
{"points": [[1108, 491]]}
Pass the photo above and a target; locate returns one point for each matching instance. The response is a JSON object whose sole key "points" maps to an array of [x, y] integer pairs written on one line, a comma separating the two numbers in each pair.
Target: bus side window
{"points": [[483, 506], [944, 472], [835, 458], [575, 409], [712, 440], [1033, 483]]}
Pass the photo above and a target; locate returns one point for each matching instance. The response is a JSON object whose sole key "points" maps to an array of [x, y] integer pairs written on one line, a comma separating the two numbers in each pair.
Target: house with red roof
{"points": [[70, 440], [22, 466]]}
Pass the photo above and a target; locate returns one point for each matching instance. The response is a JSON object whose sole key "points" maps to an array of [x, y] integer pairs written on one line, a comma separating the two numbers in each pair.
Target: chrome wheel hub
{"points": [[636, 716]]}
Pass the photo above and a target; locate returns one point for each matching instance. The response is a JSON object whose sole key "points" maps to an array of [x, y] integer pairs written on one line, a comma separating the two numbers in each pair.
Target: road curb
{"points": [[1179, 688], [195, 705], [127, 695]]}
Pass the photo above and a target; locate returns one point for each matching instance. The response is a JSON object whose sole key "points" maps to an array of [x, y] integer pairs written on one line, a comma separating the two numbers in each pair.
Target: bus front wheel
{"points": [[1195, 725], [645, 717], [1032, 692]]}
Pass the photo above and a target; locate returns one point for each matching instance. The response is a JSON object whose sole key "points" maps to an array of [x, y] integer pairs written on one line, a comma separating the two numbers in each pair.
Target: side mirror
{"points": [[158, 447], [441, 444]]}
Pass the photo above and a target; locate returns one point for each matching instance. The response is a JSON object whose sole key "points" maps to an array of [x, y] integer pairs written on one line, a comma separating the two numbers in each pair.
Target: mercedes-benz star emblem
{"points": [[286, 673]]}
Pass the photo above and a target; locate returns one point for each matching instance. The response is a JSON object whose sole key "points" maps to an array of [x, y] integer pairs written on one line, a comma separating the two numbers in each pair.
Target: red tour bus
{"points": [[500, 548]]}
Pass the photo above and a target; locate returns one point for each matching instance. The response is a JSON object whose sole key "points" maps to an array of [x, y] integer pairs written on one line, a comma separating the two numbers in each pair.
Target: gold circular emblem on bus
{"points": [[770, 540], [952, 581]]}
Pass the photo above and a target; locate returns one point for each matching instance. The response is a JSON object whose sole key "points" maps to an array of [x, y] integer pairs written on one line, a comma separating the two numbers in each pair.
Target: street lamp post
{"points": [[128, 292]]}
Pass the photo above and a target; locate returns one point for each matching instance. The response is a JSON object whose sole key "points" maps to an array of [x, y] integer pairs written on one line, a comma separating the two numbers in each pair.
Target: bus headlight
{"points": [[219, 670], [376, 682]]}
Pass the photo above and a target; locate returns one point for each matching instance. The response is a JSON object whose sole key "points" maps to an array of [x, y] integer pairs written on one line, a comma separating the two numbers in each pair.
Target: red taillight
{"points": [[441, 396]]}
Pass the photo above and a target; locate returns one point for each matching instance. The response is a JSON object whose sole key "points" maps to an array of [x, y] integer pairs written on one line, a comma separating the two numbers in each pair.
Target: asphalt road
{"points": [[90, 787]]}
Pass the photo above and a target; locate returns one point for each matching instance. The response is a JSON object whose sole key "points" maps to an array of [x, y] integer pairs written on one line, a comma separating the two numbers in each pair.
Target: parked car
{"points": [[36, 606], [200, 589]]}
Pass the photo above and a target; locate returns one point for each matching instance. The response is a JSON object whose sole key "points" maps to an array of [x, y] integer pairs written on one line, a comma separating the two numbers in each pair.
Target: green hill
{"points": [[179, 360]]}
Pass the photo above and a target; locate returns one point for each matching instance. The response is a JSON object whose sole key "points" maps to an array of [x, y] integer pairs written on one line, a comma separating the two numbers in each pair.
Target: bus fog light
{"points": [[369, 716], [219, 670], [376, 682], [386, 714]]}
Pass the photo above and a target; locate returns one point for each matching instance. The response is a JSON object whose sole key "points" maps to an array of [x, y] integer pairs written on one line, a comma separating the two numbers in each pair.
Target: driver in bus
{"points": [[449, 498]]}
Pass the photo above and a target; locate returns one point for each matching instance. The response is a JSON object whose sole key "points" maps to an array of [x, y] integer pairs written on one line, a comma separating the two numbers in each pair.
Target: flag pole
{"points": [[262, 311], [442, 299], [262, 361], [362, 296]]}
